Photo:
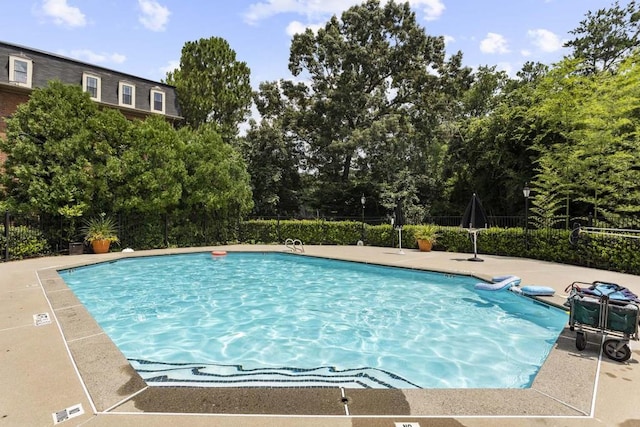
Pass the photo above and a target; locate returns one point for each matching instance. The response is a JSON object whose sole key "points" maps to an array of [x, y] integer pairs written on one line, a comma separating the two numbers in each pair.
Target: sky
{"points": [[145, 37]]}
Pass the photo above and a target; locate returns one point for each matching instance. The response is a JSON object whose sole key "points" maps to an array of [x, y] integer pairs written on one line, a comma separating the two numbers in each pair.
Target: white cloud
{"points": [[308, 8], [63, 14], [322, 9], [545, 40], [95, 58], [449, 39], [432, 9], [154, 16], [494, 43], [171, 65], [525, 52], [297, 27]]}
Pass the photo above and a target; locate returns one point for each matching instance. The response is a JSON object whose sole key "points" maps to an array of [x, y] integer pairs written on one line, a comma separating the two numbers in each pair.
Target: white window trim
{"points": [[152, 103], [12, 67], [121, 86], [98, 96]]}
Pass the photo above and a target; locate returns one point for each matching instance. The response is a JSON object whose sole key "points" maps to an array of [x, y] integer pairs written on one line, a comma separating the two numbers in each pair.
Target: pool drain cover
{"points": [[68, 413]]}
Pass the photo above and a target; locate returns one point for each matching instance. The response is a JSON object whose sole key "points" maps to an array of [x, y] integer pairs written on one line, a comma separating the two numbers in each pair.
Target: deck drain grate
{"points": [[68, 413], [41, 319]]}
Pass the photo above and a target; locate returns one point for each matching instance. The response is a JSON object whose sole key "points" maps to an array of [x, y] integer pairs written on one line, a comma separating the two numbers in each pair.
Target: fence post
{"points": [[6, 235]]}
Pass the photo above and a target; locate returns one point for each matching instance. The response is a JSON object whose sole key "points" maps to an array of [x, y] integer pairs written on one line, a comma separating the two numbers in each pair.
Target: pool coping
{"points": [[564, 386]]}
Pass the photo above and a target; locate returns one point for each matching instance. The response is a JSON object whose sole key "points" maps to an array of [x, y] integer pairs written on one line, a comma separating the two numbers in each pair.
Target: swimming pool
{"points": [[285, 320]]}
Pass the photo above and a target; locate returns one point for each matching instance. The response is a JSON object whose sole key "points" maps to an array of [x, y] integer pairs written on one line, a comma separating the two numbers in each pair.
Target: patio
{"points": [[69, 361]]}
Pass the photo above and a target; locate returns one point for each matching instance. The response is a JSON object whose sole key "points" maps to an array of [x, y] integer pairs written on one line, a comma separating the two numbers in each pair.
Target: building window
{"points": [[127, 94], [91, 84], [20, 70], [157, 101]]}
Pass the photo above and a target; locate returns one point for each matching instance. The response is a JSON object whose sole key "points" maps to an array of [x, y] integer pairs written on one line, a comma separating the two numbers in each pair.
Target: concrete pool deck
{"points": [[69, 361]]}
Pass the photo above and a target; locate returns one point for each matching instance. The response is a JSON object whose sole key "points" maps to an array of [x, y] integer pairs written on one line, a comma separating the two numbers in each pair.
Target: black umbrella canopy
{"points": [[398, 214], [474, 216]]}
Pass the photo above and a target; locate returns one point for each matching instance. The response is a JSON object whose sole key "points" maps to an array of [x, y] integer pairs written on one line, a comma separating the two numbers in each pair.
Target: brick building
{"points": [[23, 69]]}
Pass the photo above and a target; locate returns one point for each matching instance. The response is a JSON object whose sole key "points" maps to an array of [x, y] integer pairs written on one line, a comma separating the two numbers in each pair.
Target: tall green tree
{"points": [[595, 163], [212, 85], [605, 37], [68, 158], [372, 67], [489, 144], [217, 182], [273, 153], [273, 161], [150, 169], [50, 153]]}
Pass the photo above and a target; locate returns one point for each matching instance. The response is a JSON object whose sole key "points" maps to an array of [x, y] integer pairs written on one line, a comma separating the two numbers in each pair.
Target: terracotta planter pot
{"points": [[425, 245], [100, 246]]}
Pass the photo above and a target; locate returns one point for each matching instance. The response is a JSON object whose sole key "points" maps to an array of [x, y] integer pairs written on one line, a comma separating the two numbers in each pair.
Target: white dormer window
{"points": [[20, 70], [91, 84], [157, 101], [127, 94]]}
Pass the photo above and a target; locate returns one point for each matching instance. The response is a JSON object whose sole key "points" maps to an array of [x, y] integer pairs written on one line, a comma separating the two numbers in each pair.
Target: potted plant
{"points": [[70, 215], [100, 232], [426, 235]]}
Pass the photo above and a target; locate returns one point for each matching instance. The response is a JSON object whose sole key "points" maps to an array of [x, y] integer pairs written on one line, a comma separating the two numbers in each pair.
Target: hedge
{"points": [[608, 252], [614, 253]]}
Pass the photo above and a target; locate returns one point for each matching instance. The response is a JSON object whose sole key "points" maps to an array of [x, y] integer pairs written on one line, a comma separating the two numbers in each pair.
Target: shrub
{"points": [[24, 242]]}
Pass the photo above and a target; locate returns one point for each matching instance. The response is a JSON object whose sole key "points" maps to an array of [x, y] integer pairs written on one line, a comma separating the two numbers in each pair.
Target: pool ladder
{"points": [[295, 245]]}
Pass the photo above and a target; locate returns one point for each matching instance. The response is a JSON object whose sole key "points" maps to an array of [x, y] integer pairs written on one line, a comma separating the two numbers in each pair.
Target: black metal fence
{"points": [[443, 221], [23, 236]]}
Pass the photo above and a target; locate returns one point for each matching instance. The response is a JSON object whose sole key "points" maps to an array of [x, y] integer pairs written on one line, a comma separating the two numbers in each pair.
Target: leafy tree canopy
{"points": [[212, 85], [66, 157], [606, 37], [594, 166], [374, 68], [49, 153]]}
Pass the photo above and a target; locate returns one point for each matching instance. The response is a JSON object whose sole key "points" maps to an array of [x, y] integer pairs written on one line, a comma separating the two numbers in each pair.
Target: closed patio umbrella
{"points": [[474, 219], [398, 217]]}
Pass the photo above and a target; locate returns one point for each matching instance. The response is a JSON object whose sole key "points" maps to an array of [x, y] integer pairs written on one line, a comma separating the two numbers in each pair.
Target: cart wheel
{"points": [[581, 340], [610, 348]]}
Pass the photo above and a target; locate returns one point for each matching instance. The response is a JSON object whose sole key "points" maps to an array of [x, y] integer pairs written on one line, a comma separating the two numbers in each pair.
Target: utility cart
{"points": [[601, 307]]}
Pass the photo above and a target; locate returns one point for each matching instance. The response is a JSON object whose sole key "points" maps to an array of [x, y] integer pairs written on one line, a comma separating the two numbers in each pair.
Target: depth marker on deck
{"points": [[41, 319], [68, 413]]}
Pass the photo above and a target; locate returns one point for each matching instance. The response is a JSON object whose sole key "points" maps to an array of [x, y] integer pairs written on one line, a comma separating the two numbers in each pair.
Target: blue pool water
{"points": [[256, 319]]}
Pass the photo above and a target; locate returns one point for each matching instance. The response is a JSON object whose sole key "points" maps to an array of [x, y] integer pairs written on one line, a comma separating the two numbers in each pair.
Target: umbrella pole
{"points": [[401, 252], [475, 247]]}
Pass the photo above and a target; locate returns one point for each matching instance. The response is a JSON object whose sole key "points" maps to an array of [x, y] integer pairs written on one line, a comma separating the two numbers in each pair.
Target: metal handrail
{"points": [[295, 245]]}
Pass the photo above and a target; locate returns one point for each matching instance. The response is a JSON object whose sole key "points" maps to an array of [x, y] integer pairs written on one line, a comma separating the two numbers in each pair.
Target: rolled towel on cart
{"points": [[613, 291]]}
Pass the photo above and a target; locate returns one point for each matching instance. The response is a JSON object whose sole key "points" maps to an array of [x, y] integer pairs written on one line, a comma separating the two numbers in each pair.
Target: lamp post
{"points": [[526, 191], [363, 200]]}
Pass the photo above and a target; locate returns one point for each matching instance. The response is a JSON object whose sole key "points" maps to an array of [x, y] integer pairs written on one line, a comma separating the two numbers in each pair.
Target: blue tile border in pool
{"points": [[206, 375]]}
